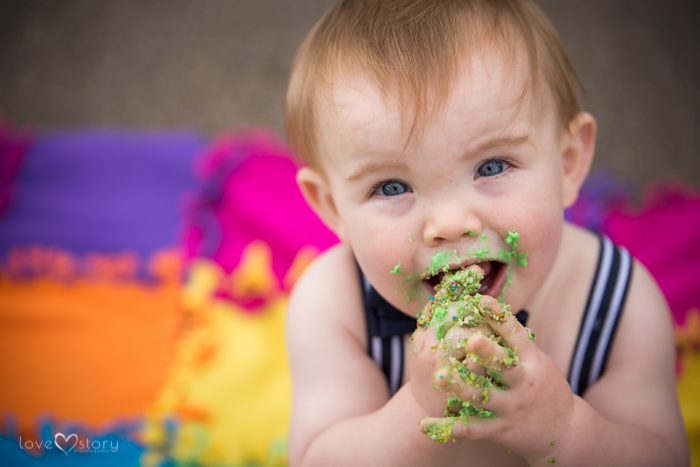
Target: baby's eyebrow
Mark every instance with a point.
(500, 141)
(371, 167)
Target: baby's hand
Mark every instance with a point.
(438, 324)
(530, 406)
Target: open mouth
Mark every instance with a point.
(492, 283)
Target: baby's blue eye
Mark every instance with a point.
(393, 188)
(491, 168)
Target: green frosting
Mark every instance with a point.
(457, 303)
(512, 239)
(397, 269)
(440, 431)
(466, 409)
(441, 262)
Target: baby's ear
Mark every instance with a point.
(319, 196)
(577, 153)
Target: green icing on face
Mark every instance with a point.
(522, 258)
(511, 256)
(441, 262)
(509, 281)
(483, 236)
(411, 236)
(407, 295)
(512, 239)
(397, 269)
(473, 234)
(481, 252)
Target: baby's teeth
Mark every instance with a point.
(483, 289)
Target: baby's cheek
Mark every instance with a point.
(539, 226)
(381, 253)
(385, 246)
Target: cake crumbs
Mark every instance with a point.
(460, 288)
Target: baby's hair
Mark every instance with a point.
(411, 48)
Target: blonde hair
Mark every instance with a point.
(411, 48)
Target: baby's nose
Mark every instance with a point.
(448, 223)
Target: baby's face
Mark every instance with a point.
(480, 169)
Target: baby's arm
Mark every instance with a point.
(341, 411)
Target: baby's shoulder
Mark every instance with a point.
(620, 289)
(328, 294)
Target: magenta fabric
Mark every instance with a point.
(663, 235)
(13, 147)
(248, 191)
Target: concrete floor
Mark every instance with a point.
(214, 65)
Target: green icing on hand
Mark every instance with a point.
(440, 431)
(457, 303)
(397, 269)
(532, 337)
(466, 409)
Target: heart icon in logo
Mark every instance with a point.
(68, 447)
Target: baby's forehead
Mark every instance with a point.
(486, 91)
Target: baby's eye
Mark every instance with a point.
(393, 188)
(491, 168)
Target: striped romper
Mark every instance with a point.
(386, 325)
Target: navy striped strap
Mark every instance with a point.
(601, 316)
(385, 329)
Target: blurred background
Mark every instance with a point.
(151, 228)
(218, 64)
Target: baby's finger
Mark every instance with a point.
(488, 353)
(441, 430)
(451, 380)
(461, 382)
(426, 313)
(455, 341)
(504, 323)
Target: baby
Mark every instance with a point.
(441, 142)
